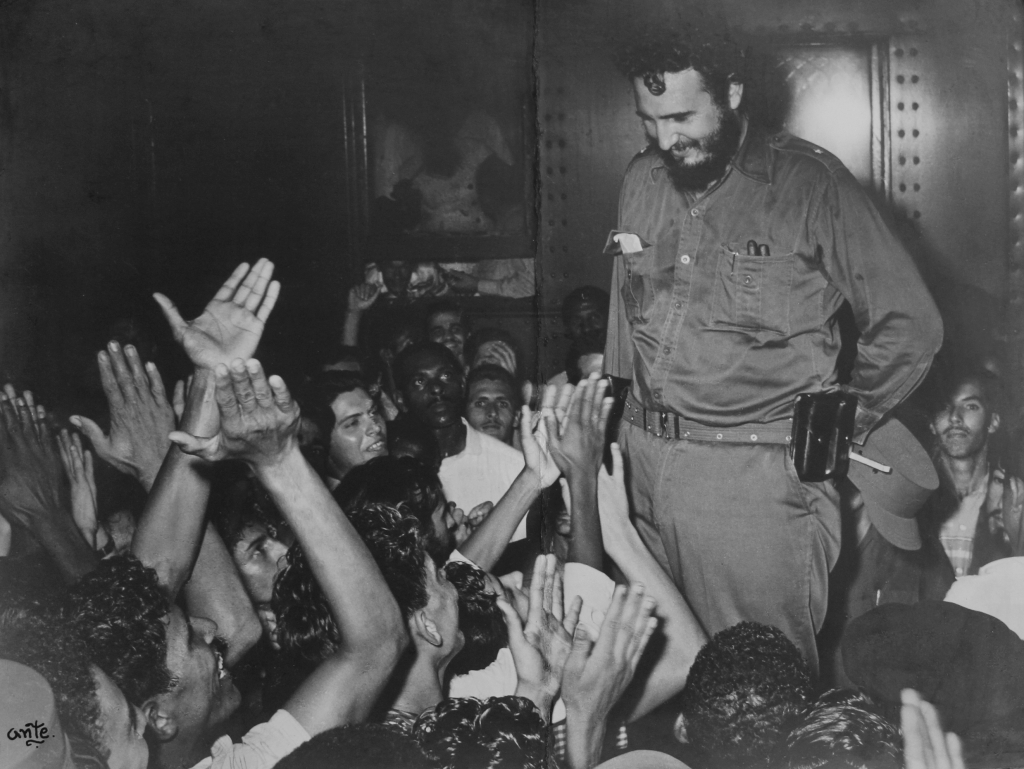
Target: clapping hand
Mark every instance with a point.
(541, 649)
(536, 453)
(258, 419)
(577, 441)
(925, 745)
(231, 325)
(78, 466)
(140, 416)
(597, 673)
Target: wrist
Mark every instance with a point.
(281, 465)
(542, 699)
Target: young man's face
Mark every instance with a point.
(396, 277)
(693, 135)
(448, 329)
(964, 424)
(359, 434)
(433, 391)
(259, 556)
(491, 408)
(204, 696)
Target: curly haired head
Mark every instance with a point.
(480, 620)
(45, 643)
(693, 40)
(842, 728)
(497, 733)
(746, 686)
(119, 610)
(402, 483)
(359, 746)
(305, 628)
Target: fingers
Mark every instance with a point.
(115, 400)
(225, 393)
(572, 616)
(228, 289)
(179, 399)
(259, 289)
(618, 471)
(512, 621)
(174, 319)
(139, 380)
(248, 286)
(936, 741)
(282, 397)
(956, 751)
(241, 383)
(93, 432)
(156, 383)
(260, 386)
(201, 447)
(550, 564)
(273, 291)
(64, 446)
(557, 597)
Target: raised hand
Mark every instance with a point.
(258, 419)
(538, 457)
(577, 441)
(33, 489)
(232, 323)
(362, 297)
(596, 674)
(140, 416)
(925, 745)
(78, 466)
(541, 649)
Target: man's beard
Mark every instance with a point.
(718, 148)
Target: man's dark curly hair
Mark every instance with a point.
(119, 610)
(44, 642)
(746, 686)
(497, 733)
(398, 482)
(699, 41)
(480, 619)
(358, 746)
(305, 628)
(842, 728)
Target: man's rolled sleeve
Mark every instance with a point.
(900, 327)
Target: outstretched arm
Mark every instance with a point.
(360, 299)
(489, 540)
(258, 424)
(664, 670)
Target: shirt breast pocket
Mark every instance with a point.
(638, 287)
(752, 292)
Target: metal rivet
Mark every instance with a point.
(899, 105)
(914, 78)
(753, 437)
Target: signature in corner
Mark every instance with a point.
(34, 733)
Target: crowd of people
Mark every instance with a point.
(412, 555)
(388, 574)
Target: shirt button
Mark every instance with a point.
(962, 527)
(747, 280)
(679, 305)
(695, 212)
(719, 436)
(753, 437)
(685, 258)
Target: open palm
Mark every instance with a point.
(231, 325)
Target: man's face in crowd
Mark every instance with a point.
(259, 556)
(359, 433)
(447, 328)
(433, 392)
(396, 277)
(491, 408)
(122, 725)
(587, 318)
(695, 136)
(965, 422)
(203, 696)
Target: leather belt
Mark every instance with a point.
(665, 424)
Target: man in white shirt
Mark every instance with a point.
(475, 467)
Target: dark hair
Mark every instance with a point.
(494, 372)
(947, 381)
(317, 395)
(583, 295)
(745, 687)
(444, 305)
(119, 610)
(587, 344)
(406, 428)
(467, 733)
(701, 42)
(238, 503)
(401, 371)
(480, 620)
(843, 728)
(306, 630)
(398, 482)
(357, 746)
(46, 643)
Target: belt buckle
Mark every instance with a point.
(663, 420)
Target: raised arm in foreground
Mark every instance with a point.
(258, 425)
